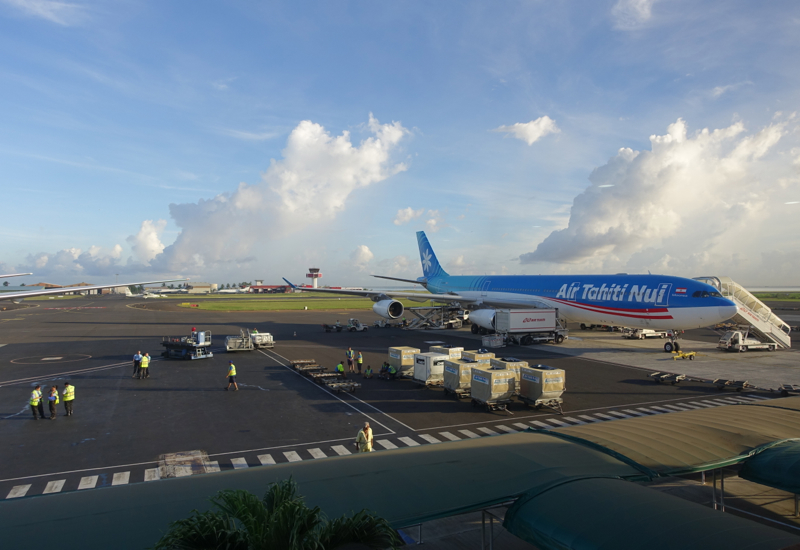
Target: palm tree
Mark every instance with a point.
(280, 521)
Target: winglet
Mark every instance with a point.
(288, 283)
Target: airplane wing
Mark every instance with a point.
(72, 289)
(413, 281)
(377, 295)
(14, 275)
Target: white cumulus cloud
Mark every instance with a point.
(690, 204)
(405, 215)
(146, 244)
(361, 256)
(531, 132)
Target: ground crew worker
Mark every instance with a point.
(137, 361)
(392, 372)
(232, 376)
(144, 368)
(364, 439)
(359, 361)
(340, 370)
(349, 355)
(36, 403)
(368, 372)
(69, 397)
(255, 331)
(53, 398)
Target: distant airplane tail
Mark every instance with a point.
(430, 265)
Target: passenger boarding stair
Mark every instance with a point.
(751, 311)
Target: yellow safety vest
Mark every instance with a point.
(36, 395)
(339, 368)
(145, 362)
(69, 393)
(232, 370)
(57, 401)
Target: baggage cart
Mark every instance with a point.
(459, 393)
(554, 403)
(736, 385)
(342, 385)
(492, 404)
(664, 377)
(323, 377)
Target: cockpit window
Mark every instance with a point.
(706, 294)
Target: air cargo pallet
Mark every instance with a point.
(460, 393)
(341, 385)
(323, 377)
(493, 405)
(670, 377)
(553, 403)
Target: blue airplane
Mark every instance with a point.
(637, 301)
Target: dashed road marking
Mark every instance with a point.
(340, 450)
(429, 438)
(471, 435)
(521, 426)
(386, 444)
(152, 474)
(317, 453)
(408, 441)
(121, 478)
(635, 413)
(699, 404)
(542, 425)
(558, 423)
(619, 414)
(266, 460)
(604, 416)
(87, 482)
(54, 486)
(575, 420)
(589, 418)
(487, 431)
(212, 467)
(292, 456)
(648, 411)
(451, 437)
(507, 429)
(18, 491)
(239, 463)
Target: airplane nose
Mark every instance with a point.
(727, 311)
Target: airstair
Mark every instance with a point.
(751, 311)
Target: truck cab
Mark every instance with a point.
(741, 340)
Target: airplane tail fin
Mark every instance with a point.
(430, 265)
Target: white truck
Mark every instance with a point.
(741, 340)
(643, 333)
(354, 325)
(528, 326)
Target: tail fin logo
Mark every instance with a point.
(426, 260)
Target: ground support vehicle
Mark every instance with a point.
(742, 340)
(459, 393)
(529, 326)
(664, 377)
(690, 355)
(332, 328)
(785, 389)
(383, 323)
(354, 325)
(737, 385)
(321, 377)
(262, 340)
(306, 366)
(342, 385)
(195, 346)
(492, 404)
(608, 328)
(554, 403)
(643, 333)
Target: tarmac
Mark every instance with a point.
(125, 430)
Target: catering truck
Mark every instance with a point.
(529, 326)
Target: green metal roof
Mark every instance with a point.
(777, 467)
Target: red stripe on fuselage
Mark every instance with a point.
(615, 311)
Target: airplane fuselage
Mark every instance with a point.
(648, 301)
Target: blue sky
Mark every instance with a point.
(243, 140)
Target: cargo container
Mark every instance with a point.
(453, 352)
(541, 385)
(429, 368)
(480, 355)
(457, 376)
(510, 363)
(491, 385)
(402, 358)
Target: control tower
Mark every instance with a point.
(313, 274)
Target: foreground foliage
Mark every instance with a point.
(279, 521)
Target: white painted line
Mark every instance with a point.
(18, 491)
(239, 463)
(451, 437)
(603, 416)
(340, 450)
(589, 418)
(212, 467)
(575, 420)
(662, 409)
(152, 474)
(715, 403)
(699, 404)
(749, 398)
(687, 406)
(121, 478)
(87, 482)
(675, 407)
(742, 399)
(292, 456)
(471, 435)
(507, 429)
(183, 471)
(429, 438)
(54, 486)
(558, 423)
(487, 431)
(759, 397)
(317, 453)
(266, 459)
(728, 400)
(521, 426)
(619, 414)
(541, 424)
(408, 441)
(649, 411)
(51, 358)
(386, 444)
(635, 413)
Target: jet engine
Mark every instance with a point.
(388, 309)
(483, 318)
